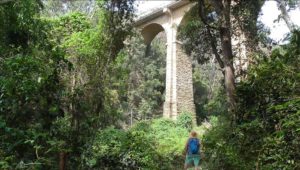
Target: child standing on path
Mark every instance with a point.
(192, 151)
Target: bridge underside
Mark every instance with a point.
(179, 83)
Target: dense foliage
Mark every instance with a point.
(80, 90)
(153, 144)
(140, 77)
(52, 76)
(30, 90)
(266, 134)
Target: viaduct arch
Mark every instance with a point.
(179, 83)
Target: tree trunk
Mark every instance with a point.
(62, 160)
(228, 67)
(222, 8)
(225, 35)
(285, 16)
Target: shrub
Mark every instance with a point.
(155, 144)
(185, 120)
(281, 149)
(118, 149)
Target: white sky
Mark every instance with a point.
(144, 6)
(270, 13)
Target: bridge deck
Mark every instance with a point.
(158, 12)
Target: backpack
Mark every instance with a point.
(193, 146)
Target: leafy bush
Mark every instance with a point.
(118, 149)
(170, 139)
(185, 120)
(281, 149)
(220, 147)
(156, 144)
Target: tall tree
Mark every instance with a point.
(229, 29)
(34, 93)
(29, 81)
(223, 26)
(92, 51)
(282, 4)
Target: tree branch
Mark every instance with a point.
(284, 13)
(203, 15)
(208, 31)
(214, 47)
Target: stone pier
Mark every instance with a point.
(179, 83)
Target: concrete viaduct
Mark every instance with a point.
(179, 83)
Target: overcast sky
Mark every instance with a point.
(270, 13)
